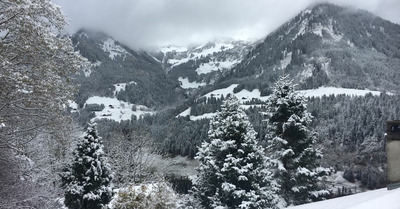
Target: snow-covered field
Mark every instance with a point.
(117, 110)
(245, 95)
(376, 199)
(321, 91)
(215, 66)
(186, 84)
(122, 86)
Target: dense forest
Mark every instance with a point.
(353, 125)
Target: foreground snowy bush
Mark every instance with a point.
(158, 195)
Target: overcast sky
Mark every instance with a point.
(150, 23)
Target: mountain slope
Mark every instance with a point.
(331, 46)
(112, 63)
(197, 66)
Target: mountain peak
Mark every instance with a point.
(327, 44)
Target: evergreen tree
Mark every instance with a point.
(233, 170)
(88, 181)
(290, 144)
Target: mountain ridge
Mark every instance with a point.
(310, 45)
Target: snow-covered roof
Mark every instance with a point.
(380, 198)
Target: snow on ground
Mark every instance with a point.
(286, 61)
(381, 198)
(205, 68)
(337, 91)
(176, 62)
(186, 84)
(218, 92)
(337, 181)
(122, 86)
(185, 113)
(204, 116)
(318, 28)
(302, 29)
(117, 110)
(245, 95)
(199, 52)
(211, 66)
(228, 64)
(113, 49)
(216, 48)
(73, 105)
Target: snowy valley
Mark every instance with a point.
(296, 119)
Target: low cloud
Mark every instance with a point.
(150, 23)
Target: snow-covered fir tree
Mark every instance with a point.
(233, 170)
(88, 181)
(290, 145)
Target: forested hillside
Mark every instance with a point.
(113, 63)
(307, 104)
(322, 46)
(328, 45)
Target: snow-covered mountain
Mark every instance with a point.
(327, 50)
(130, 81)
(201, 65)
(328, 45)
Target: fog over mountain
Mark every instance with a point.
(153, 23)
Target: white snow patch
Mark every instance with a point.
(122, 86)
(329, 29)
(219, 92)
(245, 95)
(216, 48)
(113, 49)
(198, 53)
(186, 84)
(204, 116)
(184, 113)
(302, 29)
(176, 62)
(317, 29)
(307, 11)
(211, 66)
(117, 110)
(307, 72)
(286, 61)
(380, 198)
(228, 64)
(73, 105)
(350, 43)
(205, 68)
(321, 91)
(308, 68)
